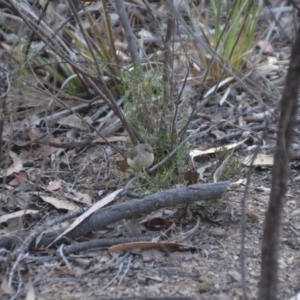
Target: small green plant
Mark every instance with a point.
(147, 110)
(100, 52)
(232, 169)
(167, 176)
(217, 204)
(144, 103)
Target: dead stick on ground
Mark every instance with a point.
(127, 210)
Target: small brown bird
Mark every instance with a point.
(140, 157)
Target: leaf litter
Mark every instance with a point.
(207, 265)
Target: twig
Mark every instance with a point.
(186, 235)
(131, 39)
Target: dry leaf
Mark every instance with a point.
(47, 150)
(54, 185)
(146, 245)
(6, 289)
(160, 222)
(86, 199)
(191, 177)
(16, 166)
(34, 134)
(132, 228)
(218, 133)
(30, 295)
(17, 214)
(74, 121)
(19, 179)
(123, 165)
(267, 47)
(60, 204)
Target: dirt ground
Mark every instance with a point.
(210, 269)
(52, 179)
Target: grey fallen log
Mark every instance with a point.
(134, 208)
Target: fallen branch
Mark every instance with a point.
(127, 210)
